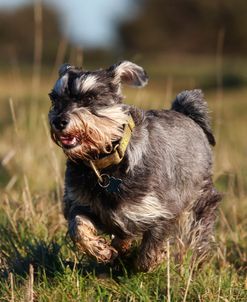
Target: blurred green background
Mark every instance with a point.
(182, 45)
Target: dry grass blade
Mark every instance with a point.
(11, 104)
(12, 287)
(27, 198)
(38, 45)
(218, 298)
(188, 282)
(30, 292)
(62, 47)
(168, 273)
(219, 77)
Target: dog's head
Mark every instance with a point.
(87, 114)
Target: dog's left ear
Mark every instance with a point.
(129, 73)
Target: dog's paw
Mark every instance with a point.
(121, 245)
(84, 235)
(150, 261)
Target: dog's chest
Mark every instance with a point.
(121, 214)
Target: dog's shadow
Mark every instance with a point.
(103, 271)
(50, 259)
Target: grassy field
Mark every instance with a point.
(38, 261)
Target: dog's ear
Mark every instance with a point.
(129, 73)
(62, 82)
(64, 68)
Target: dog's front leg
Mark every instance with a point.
(84, 234)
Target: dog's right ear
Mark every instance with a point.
(62, 82)
(129, 73)
(64, 68)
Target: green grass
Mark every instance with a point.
(38, 261)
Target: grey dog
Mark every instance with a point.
(133, 173)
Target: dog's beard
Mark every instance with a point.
(88, 134)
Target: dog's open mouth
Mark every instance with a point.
(68, 141)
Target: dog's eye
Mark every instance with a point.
(87, 99)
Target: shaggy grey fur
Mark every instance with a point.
(166, 190)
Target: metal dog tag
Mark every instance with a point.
(110, 183)
(114, 185)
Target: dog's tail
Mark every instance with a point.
(192, 104)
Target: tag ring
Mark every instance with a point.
(105, 181)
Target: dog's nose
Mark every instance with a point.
(60, 123)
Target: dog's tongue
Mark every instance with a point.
(68, 140)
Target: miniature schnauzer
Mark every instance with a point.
(133, 173)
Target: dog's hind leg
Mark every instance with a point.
(197, 224)
(152, 249)
(205, 210)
